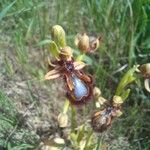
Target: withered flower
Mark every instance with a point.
(79, 86)
(102, 119)
(87, 44)
(145, 72)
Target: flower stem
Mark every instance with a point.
(66, 106)
(73, 119)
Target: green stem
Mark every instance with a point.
(66, 106)
(81, 57)
(98, 143)
(73, 119)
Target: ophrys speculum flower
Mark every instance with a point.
(102, 119)
(79, 86)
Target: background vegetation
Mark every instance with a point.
(28, 104)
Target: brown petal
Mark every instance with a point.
(69, 83)
(53, 74)
(85, 77)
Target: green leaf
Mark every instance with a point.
(8, 66)
(126, 79)
(44, 42)
(98, 143)
(28, 33)
(81, 133)
(84, 58)
(89, 139)
(125, 94)
(19, 147)
(5, 10)
(52, 47)
(73, 137)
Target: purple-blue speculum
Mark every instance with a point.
(80, 88)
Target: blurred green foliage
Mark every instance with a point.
(11, 132)
(125, 29)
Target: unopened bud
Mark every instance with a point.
(58, 35)
(66, 53)
(118, 113)
(63, 120)
(102, 100)
(83, 42)
(96, 92)
(145, 70)
(117, 100)
(58, 140)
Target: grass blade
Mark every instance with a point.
(5, 10)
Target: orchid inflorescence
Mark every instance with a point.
(79, 85)
(107, 111)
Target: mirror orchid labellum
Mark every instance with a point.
(79, 86)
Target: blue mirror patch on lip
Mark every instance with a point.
(80, 89)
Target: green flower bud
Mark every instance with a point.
(117, 101)
(101, 101)
(145, 70)
(118, 113)
(96, 92)
(63, 120)
(58, 35)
